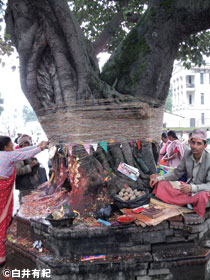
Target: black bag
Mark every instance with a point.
(34, 169)
(23, 182)
(144, 199)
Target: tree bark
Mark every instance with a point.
(60, 75)
(75, 102)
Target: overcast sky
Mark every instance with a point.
(10, 88)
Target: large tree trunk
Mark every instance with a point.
(60, 76)
(61, 79)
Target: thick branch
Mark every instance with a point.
(23, 42)
(191, 17)
(33, 94)
(112, 27)
(108, 33)
(65, 87)
(142, 64)
(10, 25)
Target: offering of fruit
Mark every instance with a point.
(129, 194)
(59, 214)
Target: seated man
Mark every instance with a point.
(196, 163)
(29, 172)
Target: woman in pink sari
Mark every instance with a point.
(174, 151)
(8, 157)
(164, 144)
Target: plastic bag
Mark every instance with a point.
(104, 213)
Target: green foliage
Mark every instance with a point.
(1, 103)
(193, 48)
(94, 15)
(28, 114)
(168, 105)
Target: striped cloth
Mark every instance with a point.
(8, 159)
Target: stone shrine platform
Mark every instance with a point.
(175, 249)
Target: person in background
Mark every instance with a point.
(16, 140)
(164, 139)
(186, 143)
(8, 158)
(174, 151)
(29, 172)
(196, 164)
(208, 133)
(163, 146)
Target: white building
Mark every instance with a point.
(171, 120)
(191, 95)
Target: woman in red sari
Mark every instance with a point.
(8, 157)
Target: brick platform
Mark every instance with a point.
(175, 249)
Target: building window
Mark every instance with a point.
(192, 122)
(201, 78)
(190, 99)
(202, 118)
(190, 81)
(202, 98)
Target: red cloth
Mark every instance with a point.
(139, 145)
(162, 162)
(6, 208)
(164, 191)
(176, 150)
